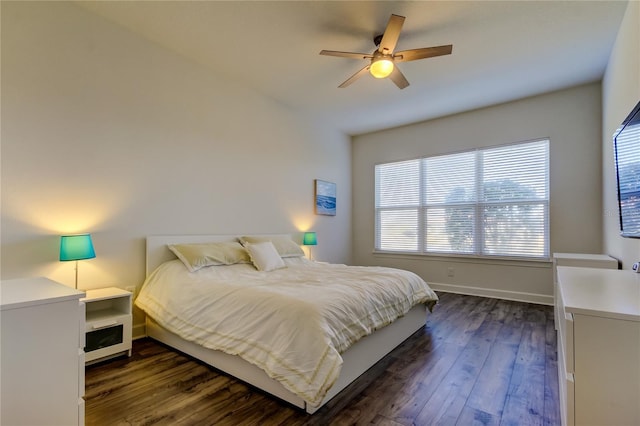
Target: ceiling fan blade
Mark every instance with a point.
(346, 54)
(391, 34)
(425, 52)
(354, 77)
(398, 78)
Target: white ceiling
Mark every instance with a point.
(502, 50)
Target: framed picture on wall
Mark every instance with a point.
(325, 197)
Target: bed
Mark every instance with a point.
(340, 365)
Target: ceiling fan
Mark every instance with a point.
(383, 59)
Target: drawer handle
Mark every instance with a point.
(103, 325)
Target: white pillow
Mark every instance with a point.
(199, 255)
(285, 246)
(264, 256)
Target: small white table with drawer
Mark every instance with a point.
(599, 346)
(108, 323)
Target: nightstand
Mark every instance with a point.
(108, 323)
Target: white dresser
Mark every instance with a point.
(42, 360)
(586, 260)
(599, 346)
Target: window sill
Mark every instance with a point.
(497, 260)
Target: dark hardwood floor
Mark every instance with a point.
(477, 362)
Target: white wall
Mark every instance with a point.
(620, 93)
(570, 118)
(107, 133)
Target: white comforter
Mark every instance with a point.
(293, 322)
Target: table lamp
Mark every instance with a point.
(310, 239)
(76, 247)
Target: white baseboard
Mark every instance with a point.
(139, 331)
(540, 299)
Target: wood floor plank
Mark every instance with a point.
(383, 421)
(525, 399)
(477, 362)
(446, 405)
(551, 387)
(491, 388)
(404, 399)
(149, 387)
(474, 417)
(440, 357)
(427, 373)
(460, 332)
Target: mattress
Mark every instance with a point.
(293, 323)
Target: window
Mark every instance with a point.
(486, 202)
(626, 149)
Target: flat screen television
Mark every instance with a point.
(626, 143)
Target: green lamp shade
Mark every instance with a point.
(76, 247)
(309, 239)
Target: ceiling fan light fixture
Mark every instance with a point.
(381, 68)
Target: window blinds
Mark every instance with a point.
(488, 202)
(628, 170)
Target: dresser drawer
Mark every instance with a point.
(565, 337)
(567, 341)
(566, 391)
(80, 372)
(107, 337)
(81, 411)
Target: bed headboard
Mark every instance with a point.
(158, 252)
